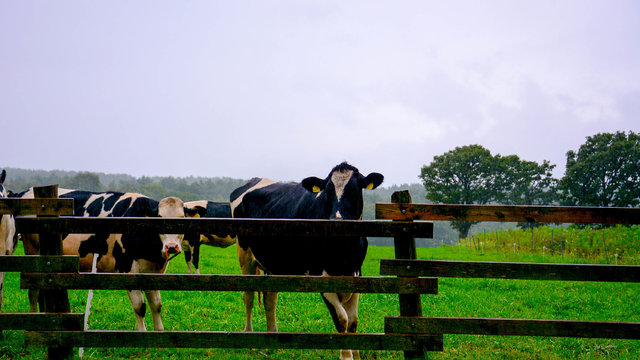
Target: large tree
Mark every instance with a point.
(471, 175)
(527, 182)
(465, 175)
(605, 171)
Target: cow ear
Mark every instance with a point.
(313, 184)
(196, 211)
(4, 175)
(372, 181)
(191, 212)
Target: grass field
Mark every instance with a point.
(223, 311)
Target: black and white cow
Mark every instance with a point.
(191, 243)
(8, 239)
(339, 196)
(124, 253)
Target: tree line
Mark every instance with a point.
(188, 188)
(199, 188)
(604, 171)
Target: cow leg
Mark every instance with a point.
(196, 256)
(7, 244)
(31, 243)
(247, 298)
(186, 248)
(351, 306)
(341, 307)
(139, 307)
(247, 266)
(155, 303)
(270, 303)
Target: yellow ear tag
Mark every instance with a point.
(370, 186)
(316, 189)
(197, 216)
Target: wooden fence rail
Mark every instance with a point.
(502, 270)
(38, 263)
(39, 207)
(510, 213)
(507, 270)
(276, 227)
(234, 339)
(518, 327)
(41, 321)
(279, 283)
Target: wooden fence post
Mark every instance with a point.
(55, 301)
(405, 248)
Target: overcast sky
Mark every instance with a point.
(289, 89)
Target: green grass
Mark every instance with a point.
(611, 245)
(223, 311)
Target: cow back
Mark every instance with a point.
(295, 255)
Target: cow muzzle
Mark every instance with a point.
(171, 251)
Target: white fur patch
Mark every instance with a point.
(340, 181)
(95, 197)
(263, 183)
(193, 204)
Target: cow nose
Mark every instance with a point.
(171, 249)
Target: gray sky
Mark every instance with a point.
(288, 89)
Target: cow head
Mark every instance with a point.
(194, 209)
(343, 190)
(3, 190)
(171, 243)
(8, 238)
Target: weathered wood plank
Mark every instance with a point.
(519, 327)
(41, 321)
(55, 300)
(111, 281)
(49, 206)
(38, 263)
(405, 248)
(276, 227)
(503, 270)
(507, 213)
(224, 339)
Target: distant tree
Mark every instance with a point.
(153, 190)
(527, 183)
(465, 175)
(83, 181)
(605, 171)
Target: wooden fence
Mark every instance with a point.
(409, 332)
(501, 270)
(55, 274)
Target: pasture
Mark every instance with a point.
(220, 311)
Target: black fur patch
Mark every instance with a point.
(95, 207)
(95, 244)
